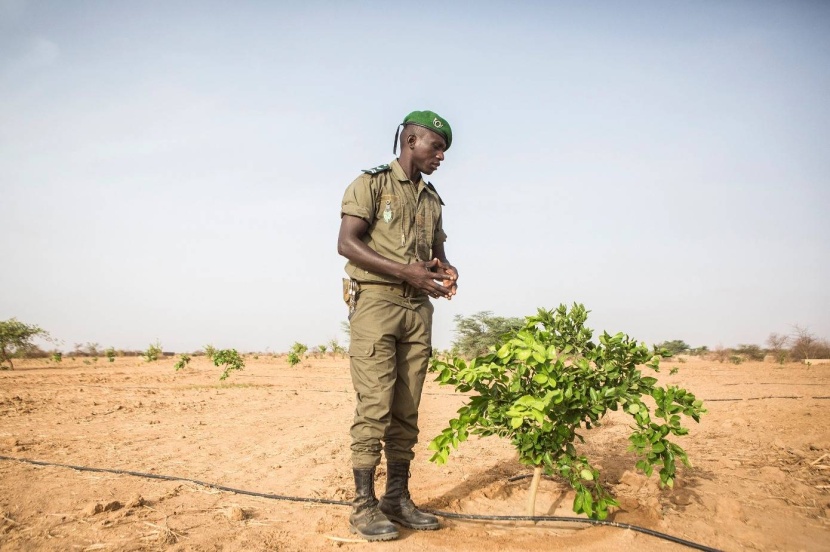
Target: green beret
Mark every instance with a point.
(432, 121)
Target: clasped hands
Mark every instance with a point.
(426, 276)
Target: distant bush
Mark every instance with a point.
(750, 352)
(699, 351)
(475, 334)
(805, 345)
(210, 350)
(720, 354)
(674, 347)
(777, 345)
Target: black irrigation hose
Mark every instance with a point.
(448, 515)
(346, 391)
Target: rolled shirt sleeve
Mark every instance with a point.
(440, 236)
(359, 200)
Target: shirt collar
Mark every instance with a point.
(397, 170)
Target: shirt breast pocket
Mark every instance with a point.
(389, 209)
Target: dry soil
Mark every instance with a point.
(759, 481)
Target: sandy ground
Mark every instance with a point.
(760, 481)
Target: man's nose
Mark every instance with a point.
(440, 156)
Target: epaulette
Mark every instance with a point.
(431, 187)
(377, 170)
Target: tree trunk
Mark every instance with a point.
(534, 486)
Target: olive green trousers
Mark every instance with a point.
(391, 343)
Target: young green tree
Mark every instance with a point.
(16, 337)
(547, 381)
(477, 333)
(184, 360)
(153, 352)
(295, 355)
(229, 360)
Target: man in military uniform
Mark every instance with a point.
(392, 234)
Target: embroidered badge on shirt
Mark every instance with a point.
(387, 212)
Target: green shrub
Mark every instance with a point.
(295, 355)
(546, 381)
(153, 352)
(184, 360)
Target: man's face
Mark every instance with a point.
(428, 150)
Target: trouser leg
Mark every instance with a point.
(375, 327)
(413, 352)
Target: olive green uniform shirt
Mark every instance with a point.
(404, 218)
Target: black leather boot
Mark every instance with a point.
(366, 519)
(397, 504)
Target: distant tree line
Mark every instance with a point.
(475, 334)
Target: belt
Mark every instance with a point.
(403, 289)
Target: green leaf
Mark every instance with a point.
(586, 475)
(578, 503)
(633, 408)
(541, 379)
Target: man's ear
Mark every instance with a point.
(411, 140)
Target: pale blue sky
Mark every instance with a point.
(173, 170)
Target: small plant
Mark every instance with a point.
(295, 355)
(777, 344)
(110, 354)
(210, 350)
(57, 356)
(336, 348)
(548, 380)
(153, 352)
(736, 359)
(256, 357)
(184, 360)
(322, 349)
(228, 359)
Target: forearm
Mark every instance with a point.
(439, 253)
